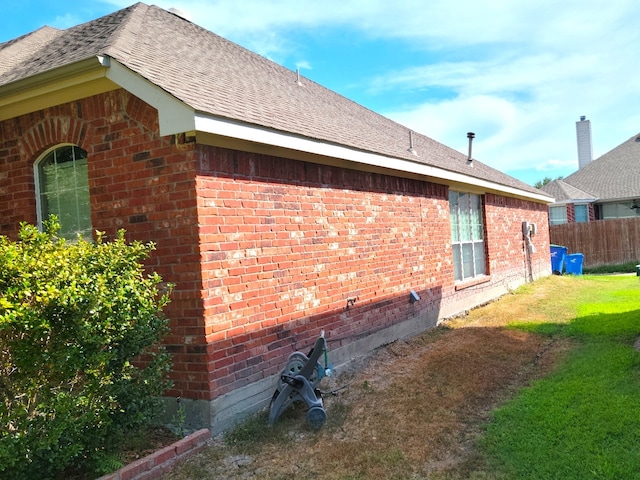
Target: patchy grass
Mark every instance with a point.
(582, 421)
(489, 396)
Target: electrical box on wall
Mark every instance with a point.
(529, 229)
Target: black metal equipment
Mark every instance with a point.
(298, 382)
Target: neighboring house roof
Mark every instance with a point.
(218, 79)
(613, 176)
(565, 193)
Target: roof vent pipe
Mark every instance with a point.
(411, 149)
(470, 136)
(298, 77)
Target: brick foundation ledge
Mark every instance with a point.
(157, 463)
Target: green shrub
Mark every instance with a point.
(80, 361)
(629, 267)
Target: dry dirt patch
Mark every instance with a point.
(415, 408)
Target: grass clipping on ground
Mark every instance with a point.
(416, 408)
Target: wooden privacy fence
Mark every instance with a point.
(603, 242)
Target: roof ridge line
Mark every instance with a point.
(124, 35)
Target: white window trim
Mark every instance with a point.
(551, 222)
(476, 275)
(575, 215)
(36, 167)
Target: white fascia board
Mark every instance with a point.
(576, 201)
(616, 200)
(174, 116)
(53, 87)
(254, 133)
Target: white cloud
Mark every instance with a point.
(552, 165)
(517, 73)
(65, 21)
(303, 65)
(466, 22)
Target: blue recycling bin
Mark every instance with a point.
(558, 252)
(573, 263)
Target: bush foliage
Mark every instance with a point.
(73, 318)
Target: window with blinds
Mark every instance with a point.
(467, 235)
(558, 215)
(581, 213)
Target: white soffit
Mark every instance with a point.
(65, 84)
(90, 77)
(253, 133)
(174, 116)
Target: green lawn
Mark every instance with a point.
(582, 421)
(425, 408)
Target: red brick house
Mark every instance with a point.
(601, 189)
(279, 208)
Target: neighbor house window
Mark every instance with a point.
(467, 235)
(63, 190)
(557, 215)
(618, 210)
(581, 213)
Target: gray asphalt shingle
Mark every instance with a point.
(562, 191)
(614, 175)
(219, 78)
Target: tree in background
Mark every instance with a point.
(545, 180)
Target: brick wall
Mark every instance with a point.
(286, 245)
(140, 182)
(571, 213)
(265, 252)
(507, 258)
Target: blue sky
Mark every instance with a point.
(518, 74)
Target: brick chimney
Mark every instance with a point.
(583, 133)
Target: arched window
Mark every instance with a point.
(62, 181)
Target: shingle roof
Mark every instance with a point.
(614, 175)
(19, 51)
(219, 78)
(562, 192)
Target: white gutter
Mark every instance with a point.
(60, 85)
(254, 133)
(615, 200)
(576, 201)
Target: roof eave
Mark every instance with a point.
(617, 199)
(59, 85)
(575, 200)
(102, 73)
(174, 116)
(222, 131)
(91, 76)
